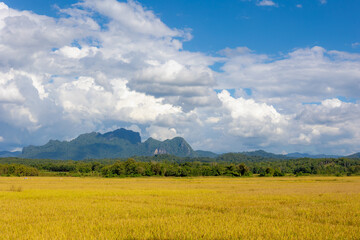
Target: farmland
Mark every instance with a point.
(180, 208)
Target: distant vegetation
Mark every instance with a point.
(18, 170)
(230, 164)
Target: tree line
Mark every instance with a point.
(129, 167)
(166, 165)
(17, 170)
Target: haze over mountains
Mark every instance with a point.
(10, 154)
(123, 143)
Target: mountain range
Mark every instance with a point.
(10, 154)
(123, 143)
(120, 143)
(262, 153)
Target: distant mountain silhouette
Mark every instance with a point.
(355, 155)
(208, 154)
(9, 154)
(306, 155)
(120, 143)
(261, 153)
(123, 143)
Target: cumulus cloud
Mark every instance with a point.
(71, 75)
(8, 89)
(161, 133)
(249, 118)
(303, 75)
(131, 17)
(85, 99)
(75, 70)
(333, 122)
(303, 86)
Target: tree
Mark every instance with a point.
(278, 173)
(130, 167)
(243, 169)
(269, 171)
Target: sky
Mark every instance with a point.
(228, 76)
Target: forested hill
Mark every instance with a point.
(120, 143)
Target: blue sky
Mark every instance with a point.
(266, 29)
(232, 23)
(282, 76)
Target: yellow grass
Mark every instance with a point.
(180, 208)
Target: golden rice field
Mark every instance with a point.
(180, 208)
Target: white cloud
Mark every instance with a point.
(267, 3)
(8, 89)
(161, 133)
(332, 123)
(288, 83)
(17, 149)
(85, 98)
(3, 6)
(135, 128)
(299, 5)
(302, 76)
(70, 70)
(132, 18)
(355, 44)
(323, 1)
(74, 52)
(249, 118)
(1, 138)
(331, 103)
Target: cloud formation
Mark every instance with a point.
(266, 3)
(304, 86)
(355, 44)
(301, 76)
(103, 65)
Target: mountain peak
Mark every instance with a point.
(178, 139)
(122, 133)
